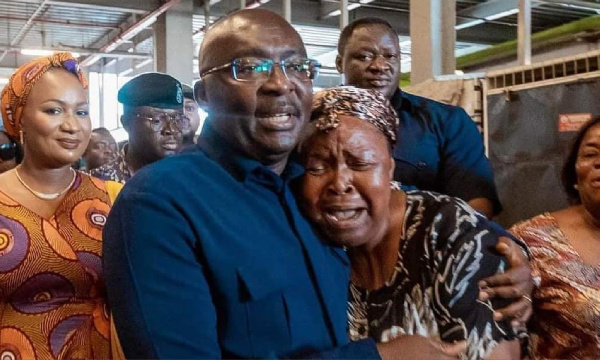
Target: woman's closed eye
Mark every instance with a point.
(360, 165)
(315, 168)
(588, 153)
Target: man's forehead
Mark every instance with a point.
(370, 31)
(99, 137)
(252, 39)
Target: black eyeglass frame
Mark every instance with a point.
(171, 119)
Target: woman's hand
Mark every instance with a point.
(416, 347)
(516, 283)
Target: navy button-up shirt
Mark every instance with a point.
(206, 255)
(440, 149)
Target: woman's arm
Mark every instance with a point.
(462, 256)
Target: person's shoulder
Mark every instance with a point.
(540, 230)
(85, 176)
(104, 169)
(436, 202)
(171, 173)
(430, 104)
(448, 212)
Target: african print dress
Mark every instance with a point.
(52, 292)
(447, 248)
(566, 307)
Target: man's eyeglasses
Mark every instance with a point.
(8, 151)
(158, 121)
(260, 69)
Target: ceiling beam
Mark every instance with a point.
(27, 26)
(490, 10)
(332, 8)
(66, 23)
(81, 51)
(133, 7)
(130, 32)
(577, 4)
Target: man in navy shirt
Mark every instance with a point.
(206, 254)
(438, 146)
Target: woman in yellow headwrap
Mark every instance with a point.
(52, 292)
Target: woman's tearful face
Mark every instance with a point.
(346, 188)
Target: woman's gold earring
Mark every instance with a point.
(21, 136)
(576, 187)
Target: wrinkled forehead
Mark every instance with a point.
(374, 34)
(251, 39)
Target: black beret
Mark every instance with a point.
(188, 92)
(152, 89)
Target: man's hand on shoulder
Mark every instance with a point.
(516, 283)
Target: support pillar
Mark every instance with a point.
(173, 44)
(524, 33)
(287, 10)
(343, 14)
(433, 38)
(206, 16)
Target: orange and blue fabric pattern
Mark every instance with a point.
(52, 290)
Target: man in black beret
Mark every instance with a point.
(190, 107)
(154, 118)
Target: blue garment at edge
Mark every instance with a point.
(440, 149)
(207, 256)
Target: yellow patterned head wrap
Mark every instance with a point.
(16, 92)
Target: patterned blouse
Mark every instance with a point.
(52, 292)
(566, 319)
(116, 170)
(447, 249)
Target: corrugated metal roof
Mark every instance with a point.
(59, 25)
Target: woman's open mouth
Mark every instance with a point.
(344, 218)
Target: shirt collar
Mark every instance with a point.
(397, 99)
(217, 148)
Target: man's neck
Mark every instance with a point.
(278, 167)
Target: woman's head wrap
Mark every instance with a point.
(16, 92)
(366, 104)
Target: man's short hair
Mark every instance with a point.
(349, 29)
(102, 131)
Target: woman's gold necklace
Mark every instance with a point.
(46, 196)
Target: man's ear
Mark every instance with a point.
(339, 64)
(200, 93)
(125, 124)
